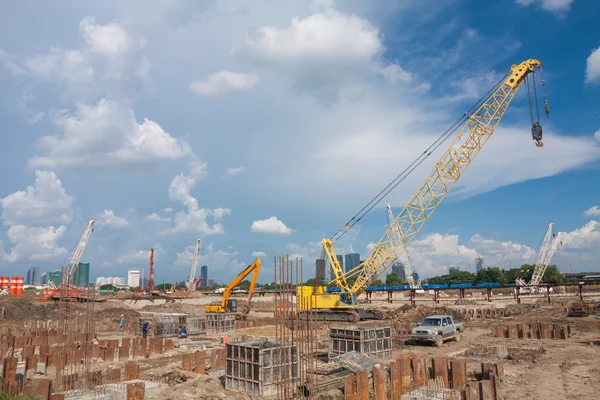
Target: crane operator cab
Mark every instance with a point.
(348, 299)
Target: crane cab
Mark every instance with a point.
(309, 298)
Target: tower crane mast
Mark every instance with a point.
(191, 283)
(474, 131)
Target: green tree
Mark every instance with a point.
(491, 274)
(456, 276)
(108, 287)
(244, 285)
(377, 282)
(393, 279)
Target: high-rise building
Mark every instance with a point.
(55, 277)
(33, 276)
(352, 261)
(453, 268)
(478, 264)
(210, 282)
(319, 269)
(111, 280)
(398, 268)
(204, 275)
(81, 276)
(133, 278)
(45, 278)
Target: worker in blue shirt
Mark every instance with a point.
(122, 322)
(182, 331)
(145, 329)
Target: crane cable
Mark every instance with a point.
(412, 166)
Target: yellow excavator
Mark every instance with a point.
(230, 305)
(475, 128)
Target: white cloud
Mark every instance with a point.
(134, 257)
(270, 225)
(45, 202)
(195, 220)
(168, 210)
(592, 212)
(556, 6)
(321, 53)
(259, 254)
(109, 219)
(107, 134)
(154, 217)
(234, 171)
(224, 82)
(585, 238)
(35, 243)
(109, 62)
(592, 71)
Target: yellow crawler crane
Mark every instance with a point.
(474, 130)
(230, 305)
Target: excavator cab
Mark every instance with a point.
(232, 305)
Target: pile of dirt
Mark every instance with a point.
(185, 385)
(525, 355)
(516, 309)
(408, 313)
(465, 302)
(16, 309)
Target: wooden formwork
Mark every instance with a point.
(372, 341)
(258, 367)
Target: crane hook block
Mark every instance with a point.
(536, 133)
(547, 108)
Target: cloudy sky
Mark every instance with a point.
(263, 126)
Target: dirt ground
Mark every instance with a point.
(536, 369)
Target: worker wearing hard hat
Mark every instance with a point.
(122, 322)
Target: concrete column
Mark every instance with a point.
(395, 380)
(440, 369)
(39, 388)
(419, 372)
(187, 362)
(124, 353)
(362, 385)
(349, 388)
(485, 390)
(9, 371)
(136, 391)
(379, 383)
(200, 362)
(113, 375)
(132, 371)
(458, 371)
(404, 364)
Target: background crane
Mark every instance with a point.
(474, 129)
(406, 262)
(192, 282)
(549, 245)
(67, 278)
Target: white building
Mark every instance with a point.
(111, 280)
(133, 278)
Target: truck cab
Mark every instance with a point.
(437, 329)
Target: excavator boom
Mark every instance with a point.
(225, 302)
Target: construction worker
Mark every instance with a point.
(145, 329)
(182, 331)
(122, 322)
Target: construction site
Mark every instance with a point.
(346, 338)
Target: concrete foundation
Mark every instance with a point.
(258, 367)
(371, 341)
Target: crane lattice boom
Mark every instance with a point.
(78, 253)
(473, 135)
(406, 264)
(546, 243)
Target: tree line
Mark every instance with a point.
(495, 274)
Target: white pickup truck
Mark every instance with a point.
(436, 329)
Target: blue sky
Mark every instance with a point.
(261, 127)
